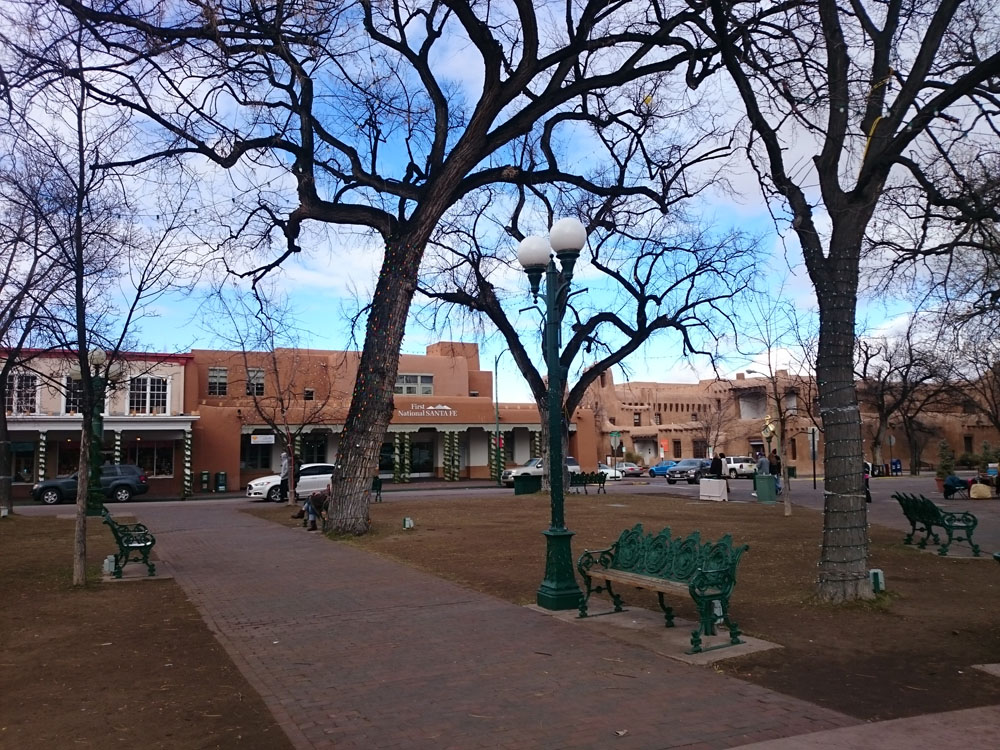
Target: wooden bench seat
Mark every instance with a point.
(584, 478)
(667, 565)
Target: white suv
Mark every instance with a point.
(738, 466)
(535, 467)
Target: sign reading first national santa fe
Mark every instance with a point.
(436, 411)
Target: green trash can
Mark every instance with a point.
(791, 472)
(525, 484)
(220, 481)
(206, 481)
(763, 485)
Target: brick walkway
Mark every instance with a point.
(350, 650)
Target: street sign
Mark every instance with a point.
(616, 440)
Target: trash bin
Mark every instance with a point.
(206, 481)
(220, 481)
(525, 484)
(791, 472)
(763, 485)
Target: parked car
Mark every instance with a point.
(119, 482)
(311, 478)
(661, 469)
(535, 467)
(611, 473)
(689, 469)
(629, 469)
(739, 466)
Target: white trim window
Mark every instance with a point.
(147, 395)
(22, 393)
(73, 400)
(255, 382)
(218, 381)
(414, 385)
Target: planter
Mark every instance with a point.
(939, 481)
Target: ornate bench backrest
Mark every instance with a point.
(672, 558)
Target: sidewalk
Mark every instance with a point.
(350, 650)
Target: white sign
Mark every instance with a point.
(262, 440)
(434, 412)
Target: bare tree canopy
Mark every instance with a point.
(382, 116)
(845, 105)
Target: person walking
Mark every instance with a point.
(715, 470)
(774, 469)
(283, 475)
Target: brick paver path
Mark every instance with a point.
(350, 650)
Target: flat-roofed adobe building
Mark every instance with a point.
(146, 421)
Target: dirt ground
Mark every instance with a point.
(910, 652)
(133, 663)
(127, 664)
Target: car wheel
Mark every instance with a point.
(732, 473)
(274, 494)
(671, 481)
(50, 496)
(121, 494)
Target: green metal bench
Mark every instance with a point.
(925, 516)
(134, 541)
(666, 564)
(584, 478)
(377, 489)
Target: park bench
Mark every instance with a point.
(584, 478)
(377, 489)
(669, 565)
(134, 541)
(925, 516)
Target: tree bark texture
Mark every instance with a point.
(843, 566)
(6, 466)
(372, 401)
(82, 487)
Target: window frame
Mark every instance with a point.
(215, 386)
(255, 381)
(146, 391)
(20, 395)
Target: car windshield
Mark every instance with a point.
(687, 463)
(531, 462)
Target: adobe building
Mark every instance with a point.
(208, 420)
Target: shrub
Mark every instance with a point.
(946, 460)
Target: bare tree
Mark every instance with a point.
(653, 278)
(359, 118)
(879, 93)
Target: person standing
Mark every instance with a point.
(715, 470)
(283, 475)
(774, 469)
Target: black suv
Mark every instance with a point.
(690, 469)
(119, 482)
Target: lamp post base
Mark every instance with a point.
(559, 589)
(95, 503)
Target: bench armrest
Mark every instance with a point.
(592, 557)
(960, 518)
(708, 581)
(136, 538)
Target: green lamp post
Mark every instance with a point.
(98, 384)
(559, 589)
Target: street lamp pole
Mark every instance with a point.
(498, 449)
(559, 589)
(98, 384)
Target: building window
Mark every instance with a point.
(155, 457)
(794, 449)
(253, 455)
(677, 449)
(636, 419)
(147, 396)
(22, 461)
(414, 385)
(313, 449)
(22, 394)
(218, 381)
(309, 395)
(967, 444)
(507, 439)
(658, 418)
(74, 396)
(612, 420)
(255, 382)
(694, 417)
(700, 448)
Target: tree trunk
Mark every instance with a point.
(82, 486)
(6, 466)
(843, 567)
(372, 401)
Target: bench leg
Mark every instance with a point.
(668, 612)
(150, 567)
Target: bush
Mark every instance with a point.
(968, 460)
(946, 460)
